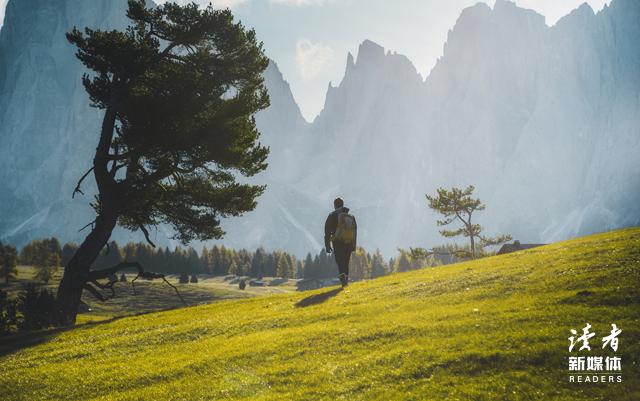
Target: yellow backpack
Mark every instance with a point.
(346, 228)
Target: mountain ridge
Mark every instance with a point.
(541, 119)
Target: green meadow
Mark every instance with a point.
(496, 328)
(148, 296)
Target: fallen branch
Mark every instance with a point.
(105, 273)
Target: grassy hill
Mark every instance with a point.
(494, 328)
(150, 296)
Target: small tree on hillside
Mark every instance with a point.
(359, 265)
(257, 263)
(68, 250)
(8, 262)
(309, 268)
(46, 266)
(179, 89)
(458, 205)
(403, 262)
(378, 265)
(283, 266)
(44, 255)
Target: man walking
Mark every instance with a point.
(341, 230)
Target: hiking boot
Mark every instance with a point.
(344, 280)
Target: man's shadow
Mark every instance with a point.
(317, 298)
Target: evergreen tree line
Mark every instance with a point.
(219, 260)
(216, 260)
(45, 255)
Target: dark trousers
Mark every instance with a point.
(342, 253)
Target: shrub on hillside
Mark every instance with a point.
(8, 262)
(193, 279)
(184, 278)
(37, 307)
(8, 315)
(44, 274)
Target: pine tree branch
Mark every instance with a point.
(77, 188)
(108, 286)
(146, 235)
(90, 224)
(94, 292)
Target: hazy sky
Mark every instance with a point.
(309, 39)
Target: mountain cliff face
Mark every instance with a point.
(544, 121)
(47, 129)
(537, 122)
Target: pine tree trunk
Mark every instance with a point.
(473, 248)
(77, 270)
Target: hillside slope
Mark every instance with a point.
(495, 328)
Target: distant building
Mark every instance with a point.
(515, 247)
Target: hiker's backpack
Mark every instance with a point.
(346, 228)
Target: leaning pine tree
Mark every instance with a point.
(458, 206)
(179, 89)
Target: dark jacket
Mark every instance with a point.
(331, 224)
